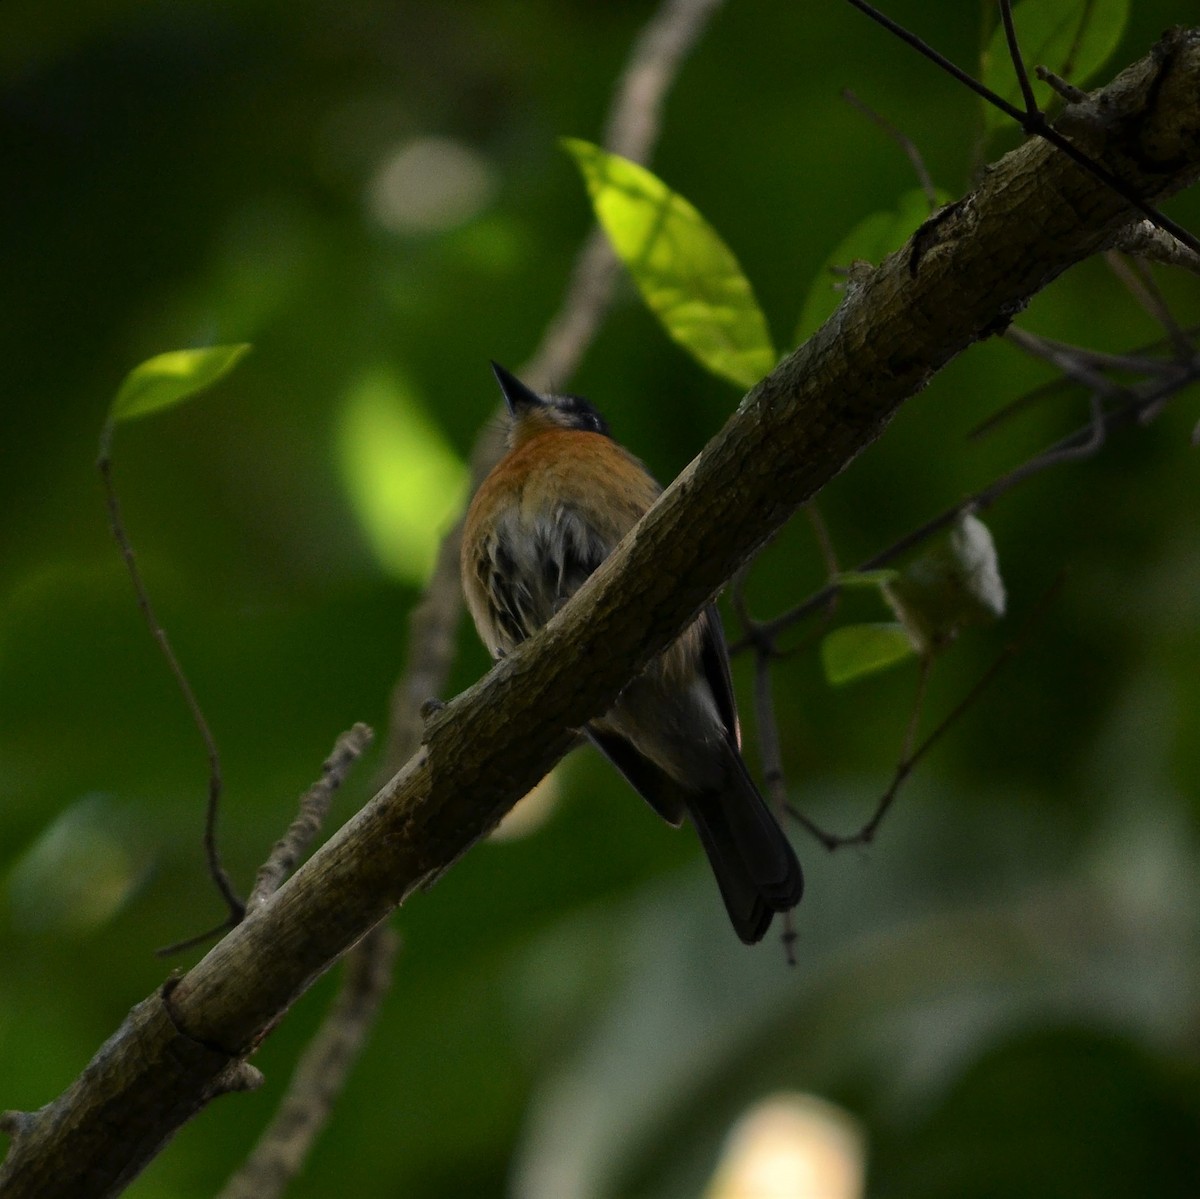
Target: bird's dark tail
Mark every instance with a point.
(756, 868)
(753, 860)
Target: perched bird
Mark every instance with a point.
(548, 514)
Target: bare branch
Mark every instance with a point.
(320, 1073)
(1018, 61)
(1068, 91)
(1140, 405)
(904, 768)
(314, 807)
(1146, 240)
(1074, 366)
(236, 908)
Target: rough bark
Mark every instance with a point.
(963, 277)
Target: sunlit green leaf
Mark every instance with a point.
(954, 583)
(871, 240)
(686, 273)
(856, 650)
(405, 483)
(1074, 38)
(170, 378)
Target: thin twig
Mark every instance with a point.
(1139, 282)
(212, 853)
(902, 140)
(909, 761)
(1066, 356)
(1144, 240)
(209, 934)
(1018, 61)
(1068, 91)
(1006, 654)
(1076, 367)
(314, 807)
(1081, 444)
(1033, 123)
(1133, 363)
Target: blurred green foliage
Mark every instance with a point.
(1004, 991)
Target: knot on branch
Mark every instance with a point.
(1161, 134)
(240, 1076)
(235, 1075)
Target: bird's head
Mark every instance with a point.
(531, 413)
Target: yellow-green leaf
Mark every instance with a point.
(871, 240)
(1074, 38)
(170, 378)
(687, 275)
(856, 650)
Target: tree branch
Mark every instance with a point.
(1034, 215)
(320, 1073)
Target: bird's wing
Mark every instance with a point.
(714, 661)
(652, 783)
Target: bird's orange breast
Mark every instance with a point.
(587, 471)
(549, 513)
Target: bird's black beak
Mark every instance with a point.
(517, 396)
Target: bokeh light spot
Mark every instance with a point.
(791, 1146)
(429, 185)
(404, 481)
(78, 873)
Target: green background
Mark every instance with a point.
(1003, 990)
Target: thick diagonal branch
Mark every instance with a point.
(1034, 215)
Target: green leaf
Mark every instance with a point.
(687, 275)
(871, 240)
(1074, 38)
(856, 650)
(954, 583)
(172, 377)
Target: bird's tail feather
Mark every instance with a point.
(756, 868)
(754, 863)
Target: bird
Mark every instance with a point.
(544, 518)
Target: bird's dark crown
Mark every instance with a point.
(574, 412)
(527, 407)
